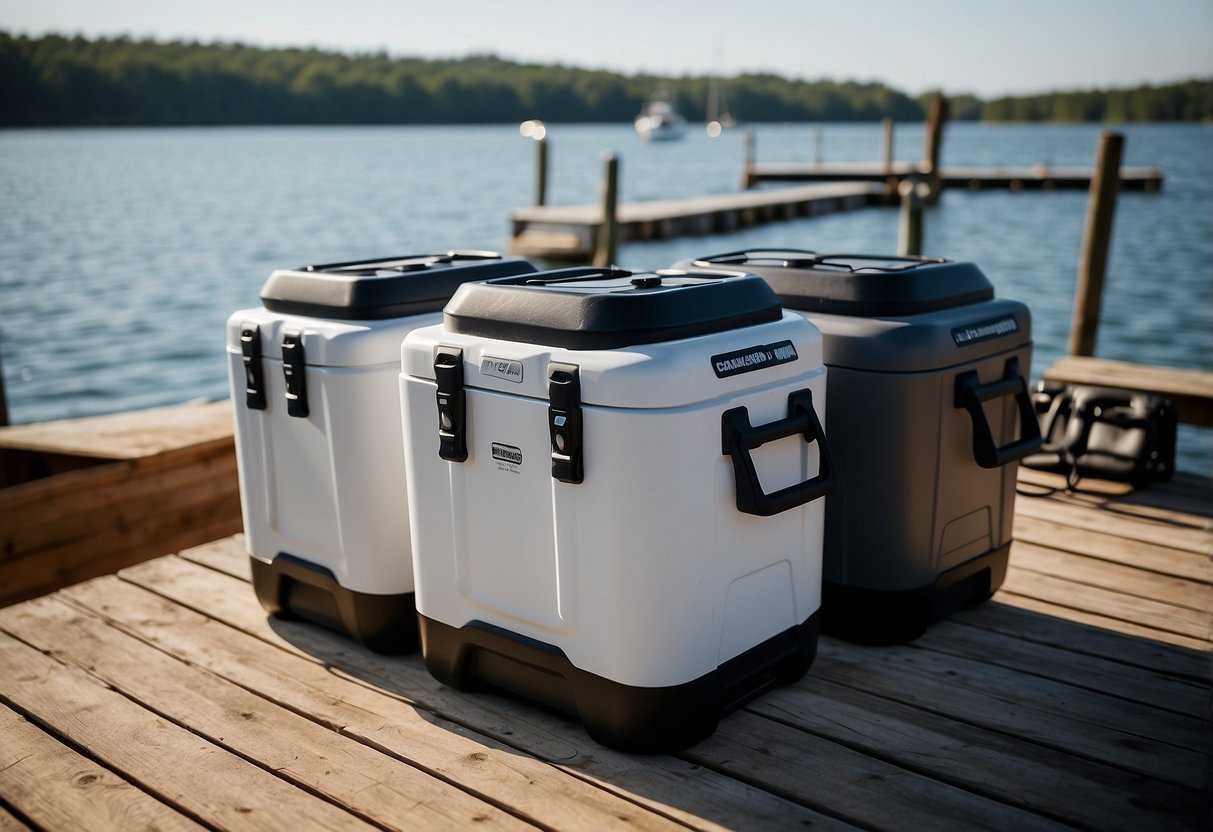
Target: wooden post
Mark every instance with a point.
(914, 192)
(936, 118)
(817, 145)
(3, 398)
(886, 144)
(1096, 237)
(541, 172)
(608, 231)
(747, 172)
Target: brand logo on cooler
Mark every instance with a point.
(507, 453)
(501, 368)
(753, 358)
(983, 331)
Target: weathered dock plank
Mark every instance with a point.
(568, 231)
(1035, 177)
(1067, 701)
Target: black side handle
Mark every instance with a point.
(739, 437)
(970, 393)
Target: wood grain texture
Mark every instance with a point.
(57, 788)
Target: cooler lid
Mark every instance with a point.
(607, 308)
(392, 287)
(859, 284)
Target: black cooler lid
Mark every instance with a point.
(607, 308)
(860, 284)
(392, 287)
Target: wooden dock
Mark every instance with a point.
(568, 232)
(1034, 178)
(1077, 698)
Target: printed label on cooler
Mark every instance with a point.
(984, 330)
(753, 358)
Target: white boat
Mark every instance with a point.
(659, 121)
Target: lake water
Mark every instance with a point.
(123, 251)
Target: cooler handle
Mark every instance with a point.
(739, 437)
(970, 393)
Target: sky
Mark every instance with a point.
(986, 47)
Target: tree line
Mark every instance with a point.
(72, 81)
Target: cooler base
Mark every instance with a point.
(480, 656)
(873, 616)
(290, 587)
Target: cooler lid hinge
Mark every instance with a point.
(564, 421)
(452, 404)
(250, 357)
(293, 370)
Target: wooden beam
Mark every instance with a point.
(1190, 390)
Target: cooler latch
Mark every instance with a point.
(254, 378)
(564, 421)
(452, 404)
(293, 370)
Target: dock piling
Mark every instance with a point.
(3, 396)
(747, 175)
(816, 145)
(608, 231)
(936, 118)
(914, 194)
(886, 144)
(1096, 238)
(541, 171)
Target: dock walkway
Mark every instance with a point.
(1036, 177)
(568, 231)
(1078, 697)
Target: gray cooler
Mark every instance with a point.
(929, 414)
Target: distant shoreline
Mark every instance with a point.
(58, 81)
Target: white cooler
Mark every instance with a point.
(614, 484)
(314, 385)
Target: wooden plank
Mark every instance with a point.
(833, 778)
(1005, 615)
(1141, 685)
(1102, 728)
(179, 768)
(1190, 390)
(1160, 560)
(1151, 618)
(130, 435)
(1028, 601)
(296, 748)
(1183, 494)
(1093, 571)
(129, 537)
(9, 823)
(1005, 768)
(1183, 502)
(531, 788)
(56, 788)
(42, 501)
(1121, 520)
(689, 793)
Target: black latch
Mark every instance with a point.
(564, 421)
(293, 367)
(452, 404)
(254, 378)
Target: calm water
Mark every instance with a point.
(122, 252)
